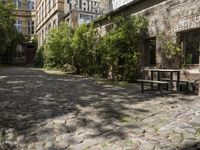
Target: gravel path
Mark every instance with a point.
(43, 111)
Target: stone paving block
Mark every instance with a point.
(74, 115)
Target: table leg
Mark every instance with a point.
(151, 79)
(178, 81)
(171, 81)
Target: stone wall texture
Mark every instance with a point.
(170, 17)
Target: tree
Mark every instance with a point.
(120, 47)
(9, 37)
(58, 50)
(84, 45)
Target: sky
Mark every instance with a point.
(118, 3)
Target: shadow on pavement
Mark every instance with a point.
(36, 106)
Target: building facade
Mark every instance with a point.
(35, 19)
(49, 13)
(25, 23)
(78, 12)
(25, 16)
(177, 19)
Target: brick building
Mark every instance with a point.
(178, 19)
(49, 13)
(25, 24)
(78, 12)
(35, 18)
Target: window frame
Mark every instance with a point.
(18, 25)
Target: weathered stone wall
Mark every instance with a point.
(165, 16)
(171, 17)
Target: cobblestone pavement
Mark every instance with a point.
(41, 111)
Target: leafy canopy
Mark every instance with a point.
(9, 37)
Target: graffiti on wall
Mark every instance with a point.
(86, 5)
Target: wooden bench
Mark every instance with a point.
(160, 84)
(186, 82)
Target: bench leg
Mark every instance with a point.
(142, 87)
(160, 88)
(151, 79)
(167, 86)
(171, 82)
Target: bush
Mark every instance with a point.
(57, 51)
(120, 47)
(116, 54)
(84, 45)
(39, 58)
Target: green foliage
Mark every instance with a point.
(170, 50)
(57, 49)
(116, 54)
(188, 59)
(9, 37)
(84, 45)
(120, 47)
(39, 58)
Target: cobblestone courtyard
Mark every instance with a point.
(42, 111)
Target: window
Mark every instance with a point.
(49, 28)
(42, 10)
(18, 25)
(18, 4)
(54, 23)
(150, 51)
(191, 47)
(30, 5)
(42, 39)
(39, 14)
(49, 5)
(54, 2)
(46, 8)
(30, 27)
(46, 32)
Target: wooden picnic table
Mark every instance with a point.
(171, 72)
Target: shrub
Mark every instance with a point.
(84, 45)
(39, 58)
(58, 50)
(120, 47)
(116, 54)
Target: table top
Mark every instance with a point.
(164, 70)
